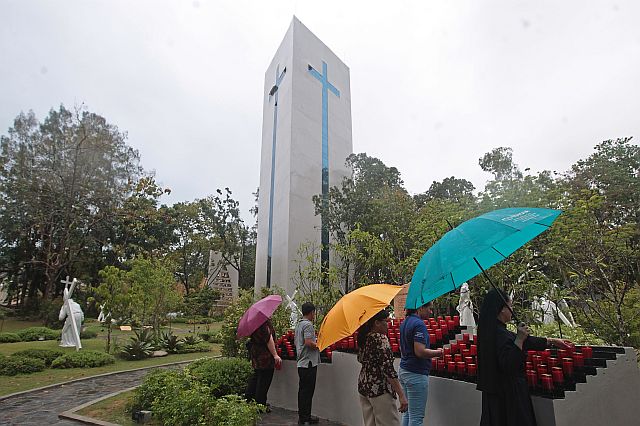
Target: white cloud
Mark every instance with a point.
(434, 84)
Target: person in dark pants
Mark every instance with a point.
(308, 360)
(501, 364)
(264, 358)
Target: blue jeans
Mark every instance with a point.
(415, 387)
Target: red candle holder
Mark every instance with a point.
(469, 360)
(473, 350)
(465, 337)
(532, 379)
(458, 358)
(472, 370)
(587, 351)
(448, 358)
(451, 367)
(567, 366)
(578, 360)
(553, 362)
(542, 369)
(438, 335)
(454, 347)
(466, 353)
(537, 360)
(563, 353)
(547, 382)
(456, 320)
(460, 368)
(556, 374)
(529, 365)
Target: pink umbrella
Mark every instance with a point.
(258, 314)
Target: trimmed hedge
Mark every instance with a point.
(35, 333)
(9, 338)
(198, 347)
(12, 365)
(83, 359)
(88, 334)
(223, 375)
(46, 355)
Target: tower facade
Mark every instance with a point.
(306, 138)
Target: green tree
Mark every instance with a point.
(190, 252)
(113, 295)
(61, 181)
(451, 188)
(152, 290)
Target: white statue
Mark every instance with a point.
(545, 311)
(73, 316)
(293, 307)
(465, 307)
(102, 317)
(4, 292)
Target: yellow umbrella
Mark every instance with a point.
(353, 310)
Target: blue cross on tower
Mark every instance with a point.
(273, 92)
(326, 87)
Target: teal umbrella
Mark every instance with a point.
(473, 247)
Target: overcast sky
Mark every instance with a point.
(435, 84)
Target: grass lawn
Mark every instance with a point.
(10, 384)
(112, 410)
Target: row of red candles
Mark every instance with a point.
(459, 358)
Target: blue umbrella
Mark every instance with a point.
(473, 247)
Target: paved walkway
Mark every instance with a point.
(42, 407)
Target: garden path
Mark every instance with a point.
(41, 407)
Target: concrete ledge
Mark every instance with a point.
(71, 414)
(610, 397)
(12, 395)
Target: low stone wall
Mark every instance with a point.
(612, 397)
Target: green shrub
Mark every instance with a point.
(177, 399)
(141, 346)
(170, 342)
(83, 359)
(211, 336)
(12, 365)
(577, 335)
(46, 355)
(198, 347)
(9, 338)
(223, 375)
(38, 333)
(153, 386)
(191, 340)
(88, 334)
(232, 410)
(182, 406)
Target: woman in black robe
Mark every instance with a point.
(501, 364)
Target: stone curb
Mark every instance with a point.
(71, 414)
(12, 395)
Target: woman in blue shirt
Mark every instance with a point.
(416, 363)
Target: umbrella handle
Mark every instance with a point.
(513, 314)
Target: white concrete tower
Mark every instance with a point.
(306, 138)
